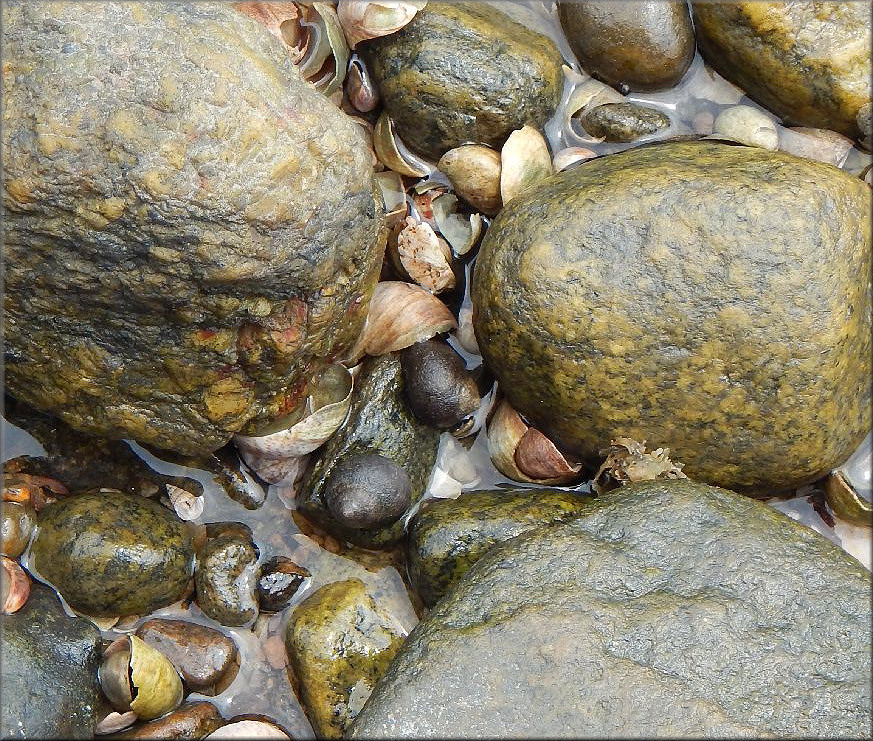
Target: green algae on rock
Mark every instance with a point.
(806, 62)
(636, 44)
(49, 671)
(339, 644)
(447, 536)
(190, 228)
(111, 554)
(460, 73)
(666, 608)
(715, 300)
(381, 423)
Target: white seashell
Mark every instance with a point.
(747, 125)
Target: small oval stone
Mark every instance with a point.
(111, 554)
(200, 654)
(280, 579)
(190, 721)
(225, 579)
(18, 521)
(464, 72)
(632, 44)
(366, 491)
(624, 122)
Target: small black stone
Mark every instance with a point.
(367, 490)
(280, 580)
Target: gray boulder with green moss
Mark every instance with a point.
(714, 300)
(189, 230)
(464, 72)
(447, 536)
(668, 609)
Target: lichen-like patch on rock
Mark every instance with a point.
(190, 228)
(706, 298)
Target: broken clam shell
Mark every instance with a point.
(360, 89)
(402, 314)
(461, 231)
(848, 489)
(393, 197)
(136, 677)
(425, 257)
(362, 20)
(15, 586)
(571, 156)
(523, 453)
(325, 410)
(474, 172)
(524, 160)
(388, 150)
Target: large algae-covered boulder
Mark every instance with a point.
(669, 609)
(637, 44)
(714, 300)
(189, 226)
(49, 671)
(447, 536)
(807, 62)
(464, 72)
(111, 554)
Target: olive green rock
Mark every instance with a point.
(632, 44)
(624, 122)
(461, 73)
(190, 231)
(111, 554)
(226, 579)
(715, 300)
(49, 671)
(668, 609)
(339, 644)
(447, 536)
(379, 422)
(806, 62)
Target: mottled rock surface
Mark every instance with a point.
(227, 579)
(339, 644)
(624, 122)
(669, 609)
(462, 72)
(715, 300)
(806, 62)
(113, 554)
(632, 44)
(190, 228)
(447, 536)
(49, 671)
(379, 422)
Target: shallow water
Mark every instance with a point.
(262, 685)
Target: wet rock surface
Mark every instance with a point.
(448, 536)
(339, 644)
(464, 73)
(164, 282)
(808, 63)
(623, 122)
(748, 359)
(112, 554)
(669, 605)
(200, 654)
(49, 671)
(279, 581)
(193, 720)
(632, 45)
(380, 423)
(226, 579)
